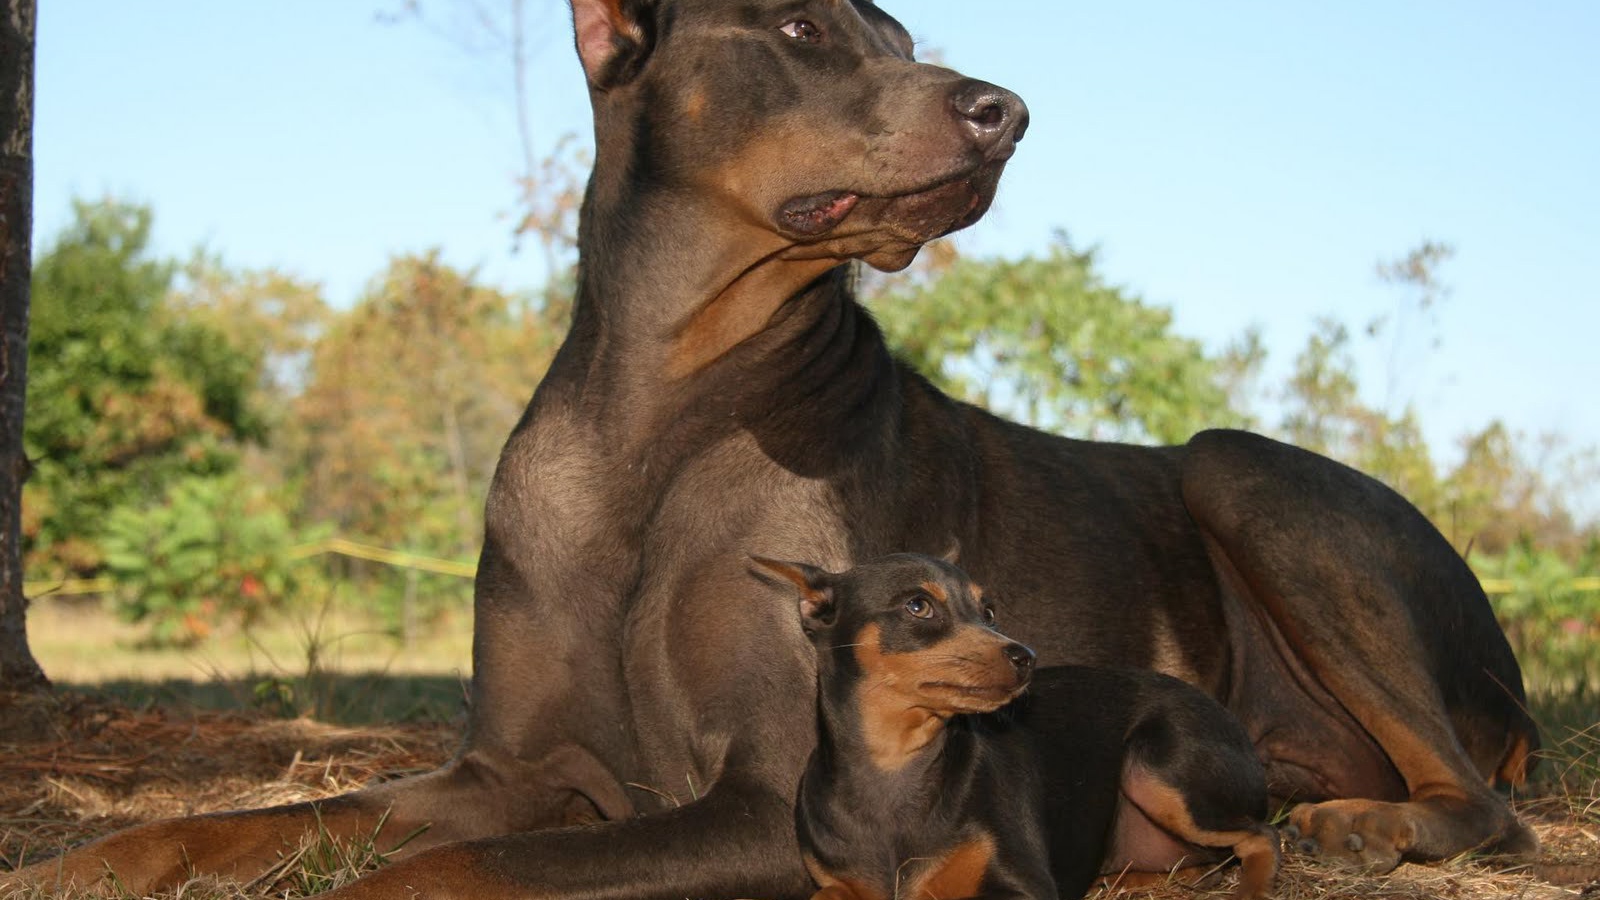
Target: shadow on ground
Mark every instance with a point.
(337, 698)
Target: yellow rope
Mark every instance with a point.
(397, 558)
(340, 546)
(402, 559)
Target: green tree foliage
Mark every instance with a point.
(1047, 341)
(173, 403)
(410, 395)
(126, 395)
(1498, 496)
(272, 320)
(1552, 625)
(213, 548)
(408, 398)
(1495, 495)
(1324, 412)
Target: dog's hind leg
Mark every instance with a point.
(1387, 636)
(1190, 816)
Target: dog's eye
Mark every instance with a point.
(988, 616)
(920, 606)
(802, 30)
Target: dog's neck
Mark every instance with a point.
(873, 734)
(681, 318)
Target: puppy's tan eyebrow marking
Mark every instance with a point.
(936, 591)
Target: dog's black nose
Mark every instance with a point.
(1021, 657)
(995, 117)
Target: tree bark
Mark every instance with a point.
(19, 671)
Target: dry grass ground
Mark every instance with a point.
(103, 766)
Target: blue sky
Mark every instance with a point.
(1244, 163)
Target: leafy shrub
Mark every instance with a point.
(212, 549)
(1551, 618)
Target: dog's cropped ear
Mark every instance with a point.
(952, 553)
(613, 37)
(816, 595)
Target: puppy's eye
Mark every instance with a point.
(988, 616)
(920, 606)
(802, 30)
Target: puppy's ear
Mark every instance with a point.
(614, 37)
(952, 553)
(817, 608)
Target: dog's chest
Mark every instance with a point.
(957, 870)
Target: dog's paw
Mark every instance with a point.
(1365, 835)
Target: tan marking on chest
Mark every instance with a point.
(958, 873)
(893, 723)
(838, 886)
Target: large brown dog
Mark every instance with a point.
(721, 391)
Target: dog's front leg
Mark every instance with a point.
(736, 841)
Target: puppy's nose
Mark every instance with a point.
(1021, 658)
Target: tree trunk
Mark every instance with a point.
(19, 671)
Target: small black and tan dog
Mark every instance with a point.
(929, 782)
